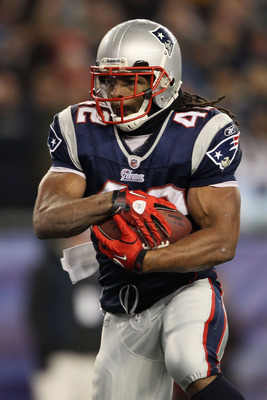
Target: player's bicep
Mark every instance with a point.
(57, 185)
(216, 208)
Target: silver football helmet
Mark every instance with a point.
(136, 48)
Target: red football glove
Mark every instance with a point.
(140, 209)
(128, 251)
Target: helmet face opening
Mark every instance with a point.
(128, 92)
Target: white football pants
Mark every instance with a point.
(181, 337)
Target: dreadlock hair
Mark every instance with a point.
(187, 101)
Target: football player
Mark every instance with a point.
(140, 144)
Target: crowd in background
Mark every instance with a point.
(47, 46)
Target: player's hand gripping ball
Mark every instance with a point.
(125, 244)
(143, 211)
(126, 251)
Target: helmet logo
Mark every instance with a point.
(165, 38)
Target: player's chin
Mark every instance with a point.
(126, 112)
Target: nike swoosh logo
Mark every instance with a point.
(124, 258)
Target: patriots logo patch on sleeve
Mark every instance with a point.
(224, 153)
(53, 140)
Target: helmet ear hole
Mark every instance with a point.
(141, 63)
(172, 82)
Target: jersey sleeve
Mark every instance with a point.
(62, 144)
(216, 154)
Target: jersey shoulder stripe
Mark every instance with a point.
(68, 132)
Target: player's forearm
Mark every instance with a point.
(201, 250)
(66, 217)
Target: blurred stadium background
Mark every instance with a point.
(46, 48)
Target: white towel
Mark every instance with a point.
(80, 261)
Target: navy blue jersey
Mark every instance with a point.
(192, 149)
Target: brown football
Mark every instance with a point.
(179, 223)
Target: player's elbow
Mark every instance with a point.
(40, 226)
(40, 234)
(38, 229)
(228, 255)
(227, 251)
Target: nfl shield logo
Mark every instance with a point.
(134, 161)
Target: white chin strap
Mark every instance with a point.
(132, 125)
